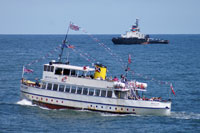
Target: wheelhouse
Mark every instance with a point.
(59, 69)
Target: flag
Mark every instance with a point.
(28, 70)
(98, 69)
(74, 27)
(129, 59)
(172, 89)
(70, 46)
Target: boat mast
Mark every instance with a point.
(137, 22)
(137, 25)
(64, 41)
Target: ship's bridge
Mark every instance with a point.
(55, 68)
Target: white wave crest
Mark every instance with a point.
(25, 102)
(186, 116)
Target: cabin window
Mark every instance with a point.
(79, 90)
(122, 95)
(66, 72)
(73, 73)
(109, 94)
(67, 89)
(97, 92)
(91, 92)
(61, 88)
(58, 71)
(73, 90)
(43, 85)
(52, 68)
(48, 68)
(55, 87)
(103, 93)
(85, 91)
(49, 86)
(45, 67)
(77, 73)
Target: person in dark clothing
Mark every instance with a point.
(37, 84)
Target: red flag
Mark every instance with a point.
(172, 89)
(74, 27)
(70, 46)
(129, 59)
(28, 70)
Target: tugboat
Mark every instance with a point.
(135, 37)
(66, 86)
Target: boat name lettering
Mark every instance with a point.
(49, 77)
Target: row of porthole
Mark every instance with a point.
(46, 99)
(111, 108)
(90, 105)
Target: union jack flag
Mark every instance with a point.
(74, 27)
(98, 69)
(28, 70)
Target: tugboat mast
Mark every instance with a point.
(137, 22)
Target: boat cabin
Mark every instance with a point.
(60, 69)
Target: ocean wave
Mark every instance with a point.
(186, 116)
(25, 102)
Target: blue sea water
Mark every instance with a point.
(178, 63)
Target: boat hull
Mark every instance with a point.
(61, 100)
(128, 41)
(120, 40)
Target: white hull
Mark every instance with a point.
(56, 99)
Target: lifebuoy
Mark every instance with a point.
(64, 79)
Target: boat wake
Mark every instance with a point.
(185, 116)
(25, 102)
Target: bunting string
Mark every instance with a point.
(121, 62)
(45, 56)
(116, 57)
(92, 60)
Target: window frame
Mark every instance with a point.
(48, 86)
(56, 87)
(62, 88)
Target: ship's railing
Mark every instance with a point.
(30, 83)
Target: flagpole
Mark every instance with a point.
(23, 72)
(129, 61)
(64, 41)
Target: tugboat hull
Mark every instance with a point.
(128, 41)
(158, 42)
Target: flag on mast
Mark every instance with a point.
(129, 59)
(27, 70)
(172, 89)
(74, 27)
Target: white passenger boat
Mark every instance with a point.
(66, 86)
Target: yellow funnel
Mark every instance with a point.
(100, 72)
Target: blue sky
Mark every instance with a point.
(99, 16)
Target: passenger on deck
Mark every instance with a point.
(115, 79)
(37, 84)
(123, 78)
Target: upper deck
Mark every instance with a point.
(69, 74)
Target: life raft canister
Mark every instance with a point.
(100, 71)
(64, 79)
